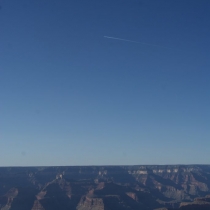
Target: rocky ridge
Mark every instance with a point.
(103, 187)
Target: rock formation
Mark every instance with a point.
(105, 187)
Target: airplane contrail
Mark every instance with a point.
(127, 40)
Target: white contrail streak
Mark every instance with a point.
(127, 40)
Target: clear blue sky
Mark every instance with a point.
(70, 96)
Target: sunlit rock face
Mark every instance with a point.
(103, 187)
(197, 204)
(90, 203)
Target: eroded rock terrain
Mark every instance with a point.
(105, 187)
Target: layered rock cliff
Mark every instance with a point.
(102, 187)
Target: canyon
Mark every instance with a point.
(105, 187)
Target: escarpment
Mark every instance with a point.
(104, 187)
